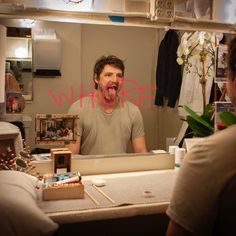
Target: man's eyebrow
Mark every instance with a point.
(110, 72)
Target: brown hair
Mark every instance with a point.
(232, 59)
(109, 60)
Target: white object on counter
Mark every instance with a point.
(179, 156)
(172, 149)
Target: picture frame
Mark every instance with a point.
(55, 129)
(221, 63)
(221, 107)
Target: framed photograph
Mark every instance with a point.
(220, 107)
(221, 63)
(56, 128)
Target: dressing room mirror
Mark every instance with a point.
(138, 46)
(19, 59)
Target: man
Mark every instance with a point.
(204, 196)
(106, 122)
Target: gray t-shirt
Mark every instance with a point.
(200, 186)
(106, 133)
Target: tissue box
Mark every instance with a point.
(62, 186)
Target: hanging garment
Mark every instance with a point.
(168, 71)
(191, 89)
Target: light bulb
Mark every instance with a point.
(21, 52)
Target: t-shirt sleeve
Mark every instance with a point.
(137, 126)
(194, 199)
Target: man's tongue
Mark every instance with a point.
(111, 91)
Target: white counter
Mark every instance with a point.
(127, 177)
(125, 205)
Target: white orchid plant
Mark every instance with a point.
(199, 46)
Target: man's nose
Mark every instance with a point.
(116, 78)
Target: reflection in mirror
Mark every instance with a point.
(159, 122)
(19, 59)
(22, 73)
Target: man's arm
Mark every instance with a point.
(74, 147)
(139, 145)
(175, 229)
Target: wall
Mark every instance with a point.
(81, 46)
(70, 34)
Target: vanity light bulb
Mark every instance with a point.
(21, 52)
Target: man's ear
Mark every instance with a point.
(95, 78)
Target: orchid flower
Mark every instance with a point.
(199, 46)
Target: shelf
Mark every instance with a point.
(139, 19)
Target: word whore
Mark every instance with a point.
(130, 90)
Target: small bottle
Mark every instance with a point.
(172, 149)
(179, 156)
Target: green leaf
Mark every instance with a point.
(199, 119)
(228, 118)
(198, 129)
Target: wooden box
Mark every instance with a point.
(64, 191)
(62, 186)
(61, 160)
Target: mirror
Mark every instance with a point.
(137, 45)
(19, 59)
(23, 75)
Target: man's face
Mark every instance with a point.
(109, 82)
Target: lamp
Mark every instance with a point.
(18, 48)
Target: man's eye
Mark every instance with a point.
(120, 76)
